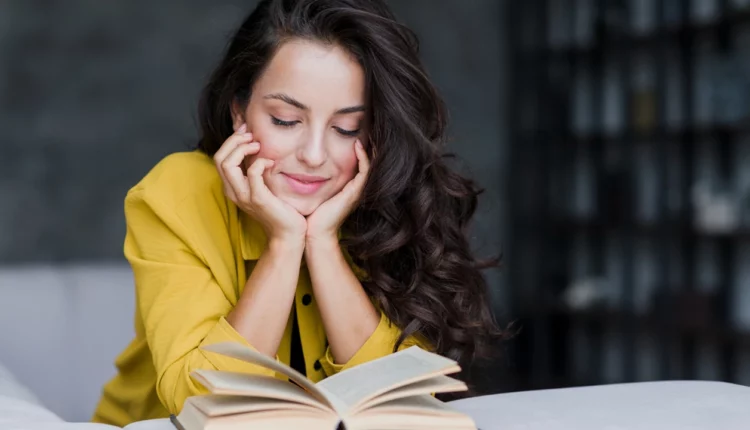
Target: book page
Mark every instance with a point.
(274, 420)
(437, 384)
(368, 380)
(213, 405)
(241, 352)
(246, 384)
(424, 403)
(154, 424)
(192, 418)
(418, 412)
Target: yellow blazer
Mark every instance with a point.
(191, 250)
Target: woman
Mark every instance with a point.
(316, 222)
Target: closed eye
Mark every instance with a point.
(347, 133)
(282, 123)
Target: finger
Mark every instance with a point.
(353, 189)
(231, 144)
(235, 158)
(232, 170)
(218, 160)
(258, 189)
(364, 161)
(364, 165)
(233, 161)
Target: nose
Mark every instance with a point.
(312, 150)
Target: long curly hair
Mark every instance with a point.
(409, 232)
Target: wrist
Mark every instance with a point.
(322, 243)
(286, 245)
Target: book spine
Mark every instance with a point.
(175, 422)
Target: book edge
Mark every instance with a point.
(175, 422)
(295, 377)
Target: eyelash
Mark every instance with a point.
(289, 124)
(347, 133)
(281, 123)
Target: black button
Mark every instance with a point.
(317, 365)
(306, 299)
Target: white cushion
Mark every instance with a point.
(65, 326)
(21, 410)
(12, 389)
(18, 405)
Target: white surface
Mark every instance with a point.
(20, 414)
(18, 405)
(61, 328)
(673, 405)
(11, 388)
(20, 410)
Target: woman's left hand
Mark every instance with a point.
(325, 221)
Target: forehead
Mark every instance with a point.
(316, 74)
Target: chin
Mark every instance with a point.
(304, 207)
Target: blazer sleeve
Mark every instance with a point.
(379, 344)
(178, 299)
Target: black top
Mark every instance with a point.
(296, 359)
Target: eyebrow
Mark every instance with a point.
(299, 105)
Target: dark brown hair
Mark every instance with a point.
(410, 230)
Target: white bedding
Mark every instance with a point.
(21, 410)
(11, 388)
(18, 405)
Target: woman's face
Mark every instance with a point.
(307, 110)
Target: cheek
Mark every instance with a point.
(269, 150)
(272, 143)
(347, 163)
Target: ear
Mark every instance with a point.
(238, 115)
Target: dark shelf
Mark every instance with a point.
(670, 34)
(656, 229)
(546, 157)
(651, 136)
(520, 381)
(653, 324)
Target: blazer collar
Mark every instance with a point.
(252, 237)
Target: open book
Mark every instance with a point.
(392, 392)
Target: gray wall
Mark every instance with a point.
(93, 93)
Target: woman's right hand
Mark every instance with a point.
(249, 192)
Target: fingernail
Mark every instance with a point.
(242, 128)
(359, 143)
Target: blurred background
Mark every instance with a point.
(612, 138)
(629, 189)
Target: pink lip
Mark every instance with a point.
(304, 184)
